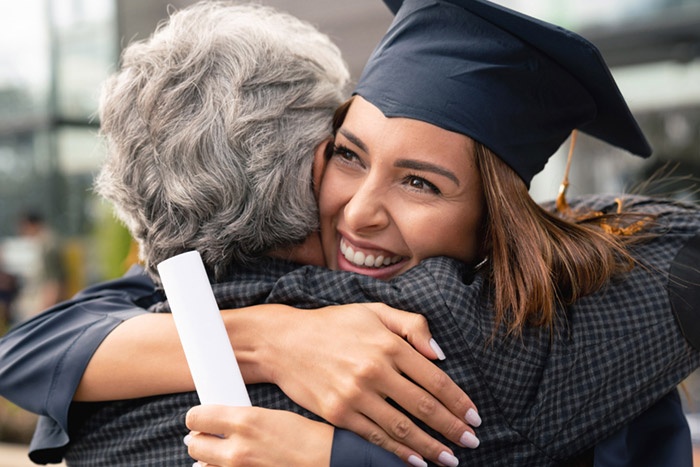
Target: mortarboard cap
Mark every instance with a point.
(516, 84)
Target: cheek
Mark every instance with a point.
(452, 234)
(465, 237)
(331, 195)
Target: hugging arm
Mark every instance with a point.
(58, 345)
(346, 383)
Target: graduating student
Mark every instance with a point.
(461, 104)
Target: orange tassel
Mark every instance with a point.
(561, 203)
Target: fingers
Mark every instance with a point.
(384, 425)
(372, 432)
(429, 377)
(426, 408)
(426, 392)
(429, 410)
(411, 326)
(423, 389)
(208, 419)
(207, 449)
(257, 437)
(432, 388)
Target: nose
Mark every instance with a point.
(366, 211)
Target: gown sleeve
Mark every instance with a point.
(684, 290)
(350, 450)
(43, 359)
(659, 437)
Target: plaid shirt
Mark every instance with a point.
(543, 398)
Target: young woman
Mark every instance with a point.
(427, 194)
(412, 176)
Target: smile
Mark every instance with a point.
(367, 260)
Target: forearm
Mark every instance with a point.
(280, 345)
(143, 356)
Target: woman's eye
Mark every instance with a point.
(345, 154)
(421, 184)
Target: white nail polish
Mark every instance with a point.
(469, 440)
(416, 461)
(187, 439)
(436, 348)
(445, 458)
(473, 418)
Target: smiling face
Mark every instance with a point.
(397, 191)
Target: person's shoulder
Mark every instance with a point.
(684, 289)
(635, 203)
(135, 283)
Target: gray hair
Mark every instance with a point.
(211, 124)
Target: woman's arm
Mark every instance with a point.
(365, 359)
(252, 436)
(135, 353)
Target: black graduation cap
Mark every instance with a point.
(516, 84)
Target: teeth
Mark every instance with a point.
(359, 258)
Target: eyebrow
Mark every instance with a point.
(428, 167)
(353, 139)
(404, 163)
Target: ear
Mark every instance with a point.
(319, 166)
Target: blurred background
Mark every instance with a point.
(56, 237)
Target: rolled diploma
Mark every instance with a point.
(200, 326)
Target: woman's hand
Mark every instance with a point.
(253, 437)
(343, 362)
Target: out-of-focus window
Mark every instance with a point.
(85, 48)
(54, 56)
(25, 82)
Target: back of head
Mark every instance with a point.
(211, 125)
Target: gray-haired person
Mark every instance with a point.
(210, 125)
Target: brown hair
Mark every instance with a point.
(539, 259)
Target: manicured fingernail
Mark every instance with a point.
(416, 461)
(445, 458)
(187, 439)
(469, 440)
(196, 464)
(436, 348)
(473, 418)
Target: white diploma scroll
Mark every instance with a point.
(210, 357)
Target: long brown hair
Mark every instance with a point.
(539, 259)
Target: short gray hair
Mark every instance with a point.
(211, 124)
